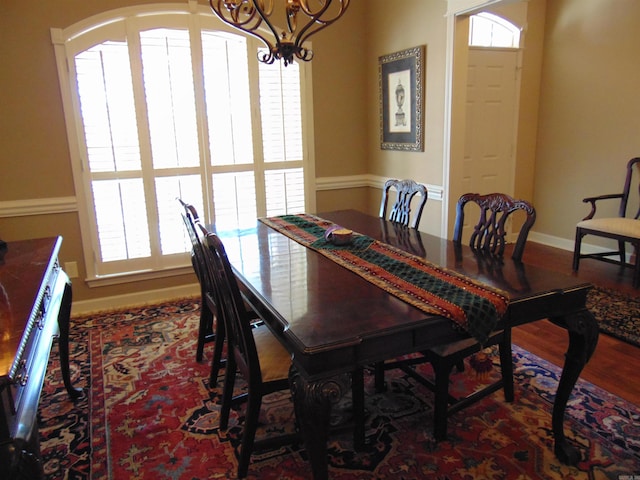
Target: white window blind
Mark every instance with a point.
(165, 112)
(282, 144)
(170, 98)
(226, 80)
(280, 104)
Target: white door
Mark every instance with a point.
(490, 121)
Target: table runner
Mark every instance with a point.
(474, 307)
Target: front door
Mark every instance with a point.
(491, 121)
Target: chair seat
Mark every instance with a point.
(450, 349)
(274, 365)
(627, 227)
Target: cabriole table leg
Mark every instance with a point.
(583, 338)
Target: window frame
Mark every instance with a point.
(116, 23)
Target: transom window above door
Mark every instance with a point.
(489, 30)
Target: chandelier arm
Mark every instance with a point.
(304, 6)
(317, 22)
(344, 4)
(304, 54)
(232, 17)
(313, 17)
(249, 16)
(250, 25)
(265, 18)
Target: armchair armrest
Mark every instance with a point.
(593, 200)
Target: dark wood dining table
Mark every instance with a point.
(333, 321)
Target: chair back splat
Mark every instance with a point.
(401, 209)
(489, 234)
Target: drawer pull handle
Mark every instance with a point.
(22, 379)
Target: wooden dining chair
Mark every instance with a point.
(488, 241)
(206, 326)
(253, 351)
(400, 211)
(210, 329)
(404, 226)
(403, 223)
(621, 228)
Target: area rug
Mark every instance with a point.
(149, 413)
(618, 314)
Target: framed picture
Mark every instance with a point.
(401, 78)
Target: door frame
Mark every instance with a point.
(457, 20)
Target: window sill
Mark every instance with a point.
(131, 277)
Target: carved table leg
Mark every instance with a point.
(63, 343)
(583, 338)
(312, 402)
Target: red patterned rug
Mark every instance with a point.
(150, 414)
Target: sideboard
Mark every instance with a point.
(35, 306)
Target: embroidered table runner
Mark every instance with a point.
(474, 307)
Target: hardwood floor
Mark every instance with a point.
(615, 364)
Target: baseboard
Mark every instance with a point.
(552, 241)
(150, 297)
(566, 244)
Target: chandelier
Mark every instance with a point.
(303, 18)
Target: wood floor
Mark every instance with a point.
(615, 364)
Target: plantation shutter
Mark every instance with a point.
(280, 107)
(113, 151)
(164, 109)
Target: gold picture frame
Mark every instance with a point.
(401, 79)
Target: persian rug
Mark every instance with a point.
(149, 413)
(618, 314)
(472, 306)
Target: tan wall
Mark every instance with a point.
(339, 96)
(589, 109)
(526, 149)
(394, 28)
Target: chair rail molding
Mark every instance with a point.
(37, 206)
(435, 192)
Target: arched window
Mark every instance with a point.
(488, 30)
(164, 101)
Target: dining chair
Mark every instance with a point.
(400, 216)
(488, 241)
(253, 351)
(400, 211)
(405, 233)
(621, 228)
(206, 325)
(210, 328)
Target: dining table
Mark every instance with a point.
(335, 320)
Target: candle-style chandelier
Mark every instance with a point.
(303, 18)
